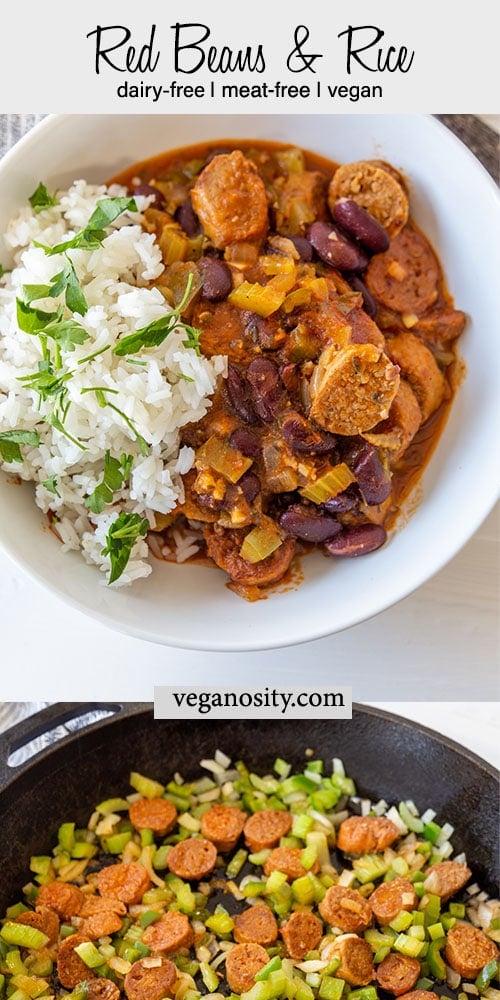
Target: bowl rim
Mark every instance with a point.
(387, 598)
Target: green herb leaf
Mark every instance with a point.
(100, 391)
(120, 539)
(91, 237)
(55, 421)
(10, 441)
(34, 321)
(156, 332)
(31, 293)
(65, 281)
(41, 199)
(67, 333)
(116, 473)
(45, 382)
(51, 486)
(193, 338)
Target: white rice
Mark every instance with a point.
(115, 279)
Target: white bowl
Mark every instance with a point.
(454, 201)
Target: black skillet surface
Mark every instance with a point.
(387, 756)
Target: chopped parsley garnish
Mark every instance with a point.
(93, 234)
(45, 382)
(66, 332)
(41, 199)
(116, 474)
(51, 486)
(100, 391)
(66, 281)
(10, 441)
(156, 332)
(121, 539)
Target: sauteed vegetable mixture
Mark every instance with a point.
(283, 885)
(332, 309)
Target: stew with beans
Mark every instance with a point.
(340, 334)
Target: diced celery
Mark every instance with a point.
(14, 963)
(40, 864)
(31, 985)
(216, 453)
(408, 945)
(116, 842)
(417, 931)
(457, 910)
(432, 908)
(236, 863)
(436, 964)
(297, 783)
(173, 244)
(302, 824)
(254, 889)
(488, 972)
(23, 935)
(186, 899)
(260, 299)
(220, 922)
(331, 988)
(19, 995)
(335, 481)
(274, 882)
(147, 837)
(149, 917)
(431, 832)
(448, 922)
(418, 918)
(112, 806)
(400, 866)
(303, 889)
(271, 966)
(419, 889)
(160, 857)
(402, 921)
(370, 867)
(260, 857)
(15, 911)
(308, 857)
(260, 543)
(267, 785)
(83, 850)
(42, 966)
(412, 822)
(379, 940)
(146, 787)
(423, 983)
(380, 954)
(66, 836)
(209, 976)
(281, 767)
(365, 993)
(89, 954)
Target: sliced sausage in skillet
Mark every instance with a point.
(468, 950)
(390, 898)
(145, 981)
(223, 825)
(65, 899)
(243, 963)
(301, 933)
(398, 973)
(100, 924)
(158, 815)
(102, 989)
(44, 920)
(256, 924)
(345, 908)
(446, 878)
(265, 828)
(356, 959)
(365, 834)
(126, 882)
(71, 969)
(169, 934)
(193, 858)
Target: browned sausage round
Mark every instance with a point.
(420, 995)
(468, 949)
(100, 904)
(288, 861)
(446, 878)
(100, 924)
(356, 960)
(365, 834)
(419, 366)
(223, 825)
(230, 200)
(43, 919)
(151, 982)
(406, 277)
(390, 898)
(102, 989)
(193, 858)
(62, 897)
(265, 828)
(170, 933)
(158, 815)
(257, 924)
(398, 973)
(223, 546)
(376, 187)
(71, 969)
(301, 934)
(243, 963)
(125, 882)
(346, 908)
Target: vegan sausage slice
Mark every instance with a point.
(352, 388)
(345, 908)
(193, 858)
(419, 366)
(169, 934)
(365, 834)
(398, 973)
(256, 924)
(62, 897)
(71, 969)
(126, 882)
(100, 924)
(223, 825)
(406, 277)
(158, 815)
(43, 919)
(468, 949)
(243, 963)
(446, 878)
(146, 981)
(266, 827)
(391, 897)
(230, 200)
(301, 933)
(376, 188)
(102, 989)
(356, 959)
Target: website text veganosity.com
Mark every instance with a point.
(253, 703)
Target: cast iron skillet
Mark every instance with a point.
(387, 756)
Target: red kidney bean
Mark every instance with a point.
(266, 388)
(238, 393)
(372, 479)
(187, 218)
(250, 485)
(361, 225)
(348, 500)
(289, 373)
(303, 247)
(369, 304)
(357, 541)
(302, 437)
(245, 441)
(308, 524)
(147, 190)
(336, 249)
(216, 279)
